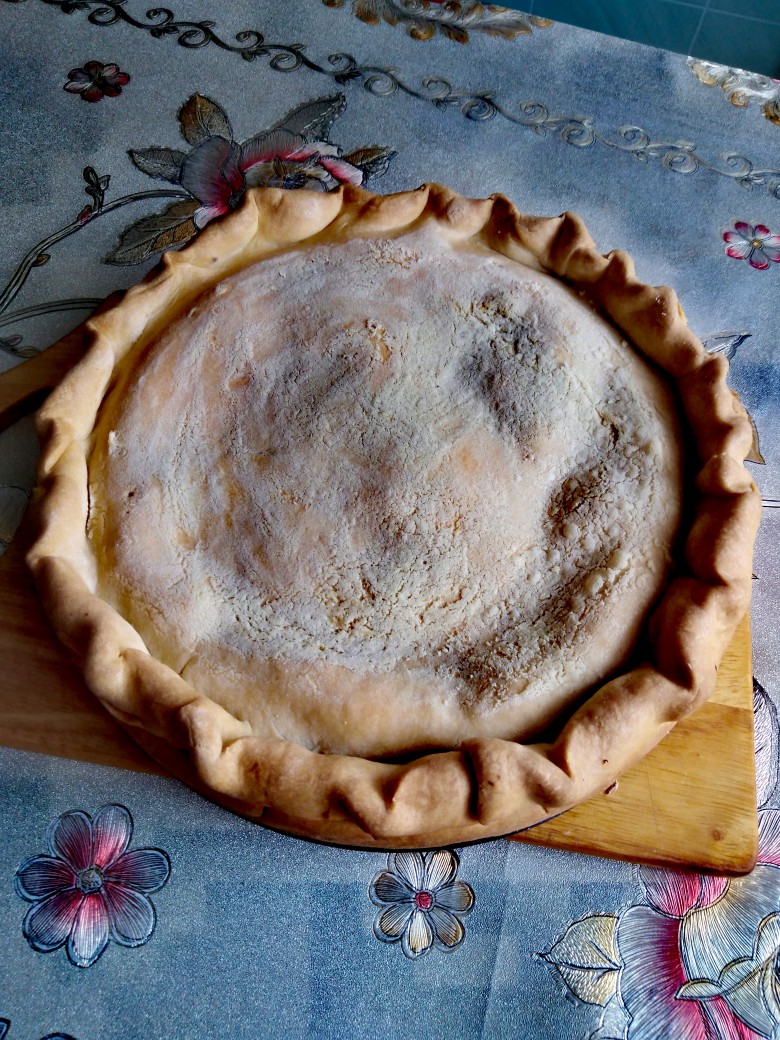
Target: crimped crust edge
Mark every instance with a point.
(487, 787)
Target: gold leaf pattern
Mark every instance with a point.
(587, 959)
(453, 19)
(740, 87)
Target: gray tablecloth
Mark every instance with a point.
(213, 927)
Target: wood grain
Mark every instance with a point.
(692, 801)
(25, 387)
(44, 704)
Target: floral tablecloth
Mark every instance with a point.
(129, 907)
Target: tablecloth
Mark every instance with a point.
(123, 131)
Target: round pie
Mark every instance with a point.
(397, 521)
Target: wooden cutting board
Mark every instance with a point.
(690, 803)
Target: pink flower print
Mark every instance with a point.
(769, 837)
(294, 153)
(96, 80)
(697, 960)
(90, 889)
(648, 938)
(689, 919)
(218, 171)
(421, 902)
(211, 174)
(675, 892)
(756, 244)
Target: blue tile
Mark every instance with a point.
(768, 10)
(731, 40)
(660, 23)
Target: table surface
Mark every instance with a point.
(214, 926)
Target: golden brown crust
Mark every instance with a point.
(485, 788)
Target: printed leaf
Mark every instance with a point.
(725, 343)
(754, 455)
(422, 18)
(741, 984)
(712, 942)
(95, 187)
(509, 26)
(162, 163)
(13, 503)
(10, 344)
(767, 730)
(366, 13)
(200, 117)
(768, 938)
(613, 1023)
(314, 119)
(4, 1027)
(726, 946)
(173, 227)
(373, 160)
(91, 177)
(770, 994)
(752, 996)
(452, 32)
(698, 989)
(427, 30)
(586, 958)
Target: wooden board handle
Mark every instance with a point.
(25, 387)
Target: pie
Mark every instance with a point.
(395, 520)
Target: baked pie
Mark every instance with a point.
(395, 520)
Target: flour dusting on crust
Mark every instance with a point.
(388, 495)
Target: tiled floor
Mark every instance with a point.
(743, 33)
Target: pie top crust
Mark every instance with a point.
(356, 495)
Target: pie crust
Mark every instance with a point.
(315, 518)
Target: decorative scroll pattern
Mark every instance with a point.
(741, 87)
(424, 18)
(580, 131)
